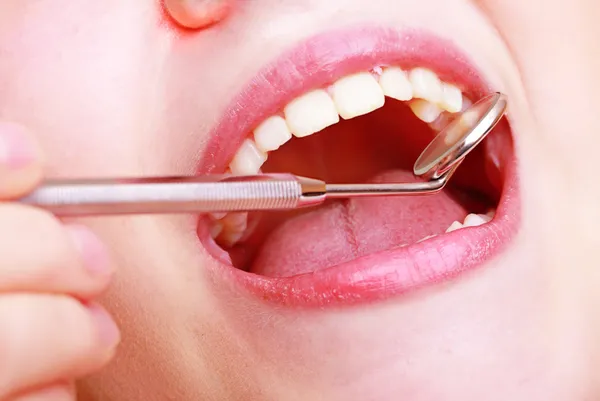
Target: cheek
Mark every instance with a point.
(83, 76)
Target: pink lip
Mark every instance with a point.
(316, 63)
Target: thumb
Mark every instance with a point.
(21, 163)
(197, 14)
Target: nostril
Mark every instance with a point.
(197, 14)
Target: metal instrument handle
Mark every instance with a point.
(169, 195)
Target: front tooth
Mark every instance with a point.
(356, 95)
(248, 159)
(452, 100)
(474, 220)
(310, 113)
(454, 226)
(272, 133)
(426, 85)
(424, 110)
(395, 84)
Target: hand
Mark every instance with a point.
(50, 330)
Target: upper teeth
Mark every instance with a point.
(272, 133)
(248, 159)
(426, 85)
(425, 110)
(395, 84)
(348, 97)
(452, 99)
(310, 113)
(356, 95)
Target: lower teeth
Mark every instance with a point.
(231, 229)
(472, 220)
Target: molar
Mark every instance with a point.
(471, 220)
(310, 113)
(228, 239)
(233, 228)
(356, 95)
(454, 226)
(235, 221)
(216, 229)
(474, 220)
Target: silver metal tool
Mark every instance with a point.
(225, 193)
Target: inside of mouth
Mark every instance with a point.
(381, 146)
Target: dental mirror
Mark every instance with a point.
(449, 148)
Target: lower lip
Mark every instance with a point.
(384, 274)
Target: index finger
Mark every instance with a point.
(21, 161)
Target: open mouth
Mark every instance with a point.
(361, 113)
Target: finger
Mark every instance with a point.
(56, 392)
(197, 14)
(44, 339)
(40, 254)
(20, 161)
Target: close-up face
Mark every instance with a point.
(483, 291)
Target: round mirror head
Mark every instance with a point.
(449, 148)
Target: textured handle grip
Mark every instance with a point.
(169, 196)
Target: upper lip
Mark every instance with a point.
(314, 64)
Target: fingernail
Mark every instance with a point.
(93, 252)
(108, 331)
(16, 149)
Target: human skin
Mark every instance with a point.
(116, 88)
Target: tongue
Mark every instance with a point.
(343, 231)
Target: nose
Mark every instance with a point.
(197, 14)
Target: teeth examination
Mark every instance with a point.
(288, 200)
